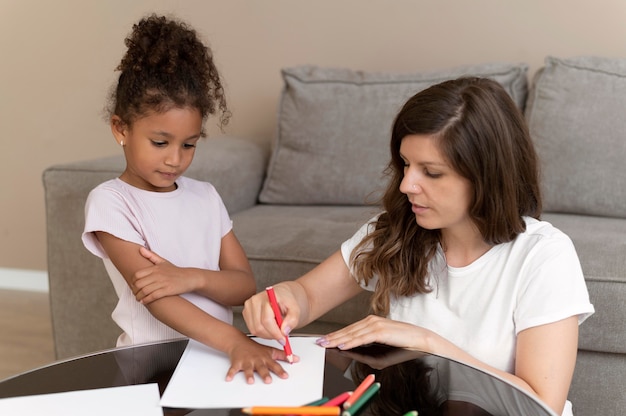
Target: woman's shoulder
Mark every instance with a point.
(542, 229)
(544, 237)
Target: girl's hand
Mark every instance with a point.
(158, 281)
(381, 330)
(260, 318)
(250, 357)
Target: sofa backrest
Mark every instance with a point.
(334, 125)
(576, 116)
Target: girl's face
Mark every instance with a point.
(438, 195)
(158, 147)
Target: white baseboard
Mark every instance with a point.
(19, 279)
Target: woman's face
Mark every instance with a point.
(159, 148)
(438, 195)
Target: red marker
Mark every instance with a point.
(279, 320)
(358, 392)
(338, 400)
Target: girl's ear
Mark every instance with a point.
(119, 130)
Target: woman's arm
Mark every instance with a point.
(544, 361)
(231, 285)
(302, 300)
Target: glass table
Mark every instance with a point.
(410, 380)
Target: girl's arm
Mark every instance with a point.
(231, 285)
(183, 316)
(544, 361)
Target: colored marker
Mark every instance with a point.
(338, 400)
(361, 401)
(318, 402)
(302, 410)
(367, 381)
(279, 320)
(411, 413)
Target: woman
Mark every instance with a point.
(459, 263)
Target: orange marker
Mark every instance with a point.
(302, 410)
(367, 381)
(279, 320)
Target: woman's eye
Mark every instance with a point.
(432, 174)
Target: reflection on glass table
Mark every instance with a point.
(432, 385)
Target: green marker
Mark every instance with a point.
(361, 401)
(318, 402)
(411, 413)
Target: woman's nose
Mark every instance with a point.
(410, 185)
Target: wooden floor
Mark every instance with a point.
(25, 332)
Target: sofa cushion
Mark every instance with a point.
(600, 243)
(576, 117)
(334, 126)
(284, 242)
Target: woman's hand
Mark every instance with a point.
(160, 280)
(249, 357)
(378, 360)
(260, 318)
(303, 300)
(383, 331)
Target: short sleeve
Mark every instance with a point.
(552, 285)
(226, 223)
(106, 210)
(348, 246)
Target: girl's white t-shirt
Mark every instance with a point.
(533, 280)
(184, 226)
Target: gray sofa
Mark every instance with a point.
(292, 208)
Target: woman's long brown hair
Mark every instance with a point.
(484, 137)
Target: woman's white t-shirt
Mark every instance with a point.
(184, 226)
(533, 280)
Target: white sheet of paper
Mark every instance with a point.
(142, 399)
(199, 379)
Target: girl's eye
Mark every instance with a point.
(189, 145)
(158, 143)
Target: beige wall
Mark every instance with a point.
(57, 60)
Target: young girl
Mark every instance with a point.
(166, 240)
(459, 263)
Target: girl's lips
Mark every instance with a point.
(169, 175)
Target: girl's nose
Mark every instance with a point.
(173, 158)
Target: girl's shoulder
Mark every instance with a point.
(110, 187)
(197, 187)
(191, 183)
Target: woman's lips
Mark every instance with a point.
(418, 209)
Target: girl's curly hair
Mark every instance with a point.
(166, 66)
